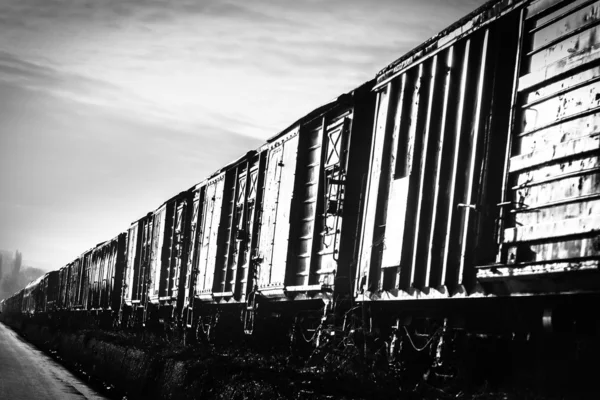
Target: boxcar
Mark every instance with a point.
(30, 297)
(136, 273)
(451, 214)
(51, 291)
(223, 229)
(75, 283)
(107, 262)
(64, 279)
(311, 178)
(168, 258)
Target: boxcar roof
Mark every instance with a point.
(483, 15)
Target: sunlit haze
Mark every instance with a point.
(109, 107)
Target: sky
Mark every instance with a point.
(110, 107)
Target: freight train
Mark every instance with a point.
(457, 189)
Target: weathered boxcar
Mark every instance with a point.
(193, 256)
(136, 271)
(223, 229)
(75, 284)
(443, 197)
(12, 307)
(311, 179)
(209, 224)
(87, 279)
(31, 299)
(548, 230)
(168, 261)
(106, 279)
(51, 291)
(64, 280)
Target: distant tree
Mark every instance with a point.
(17, 263)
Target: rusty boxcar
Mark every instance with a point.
(448, 213)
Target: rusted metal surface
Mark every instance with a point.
(434, 174)
(552, 191)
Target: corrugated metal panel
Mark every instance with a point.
(131, 273)
(247, 229)
(193, 259)
(241, 204)
(157, 253)
(87, 279)
(65, 281)
(275, 219)
(179, 246)
(52, 291)
(75, 280)
(142, 287)
(107, 269)
(553, 187)
(168, 256)
(211, 218)
(226, 262)
(96, 267)
(309, 176)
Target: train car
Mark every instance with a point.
(311, 180)
(136, 273)
(193, 260)
(87, 278)
(222, 230)
(51, 291)
(12, 308)
(31, 299)
(64, 279)
(168, 259)
(452, 223)
(74, 286)
(106, 280)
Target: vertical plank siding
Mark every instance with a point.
(552, 190)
